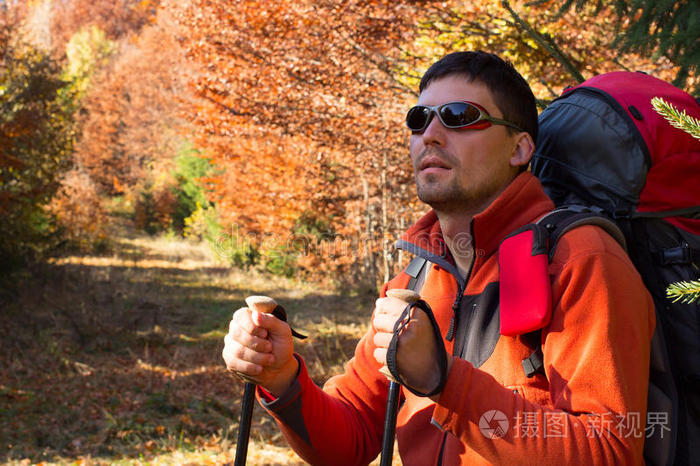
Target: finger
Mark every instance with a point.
(383, 306)
(390, 305)
(271, 324)
(248, 373)
(243, 353)
(380, 355)
(243, 318)
(384, 323)
(382, 340)
(255, 343)
(245, 368)
(238, 355)
(238, 331)
(233, 363)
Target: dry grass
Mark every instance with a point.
(116, 359)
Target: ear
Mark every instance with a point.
(522, 152)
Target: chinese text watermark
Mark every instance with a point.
(537, 424)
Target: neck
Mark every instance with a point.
(456, 230)
(456, 222)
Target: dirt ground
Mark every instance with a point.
(116, 359)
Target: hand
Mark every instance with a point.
(416, 353)
(259, 346)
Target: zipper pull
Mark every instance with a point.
(451, 332)
(453, 322)
(455, 313)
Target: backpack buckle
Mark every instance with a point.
(678, 255)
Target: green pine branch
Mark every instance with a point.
(685, 292)
(678, 119)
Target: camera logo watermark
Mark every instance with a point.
(493, 424)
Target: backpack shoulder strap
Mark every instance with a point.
(557, 223)
(535, 362)
(562, 220)
(417, 269)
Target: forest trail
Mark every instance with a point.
(116, 358)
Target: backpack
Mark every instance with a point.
(602, 145)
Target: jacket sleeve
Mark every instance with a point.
(596, 359)
(341, 424)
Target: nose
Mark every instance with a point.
(434, 133)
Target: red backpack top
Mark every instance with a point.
(618, 153)
(673, 180)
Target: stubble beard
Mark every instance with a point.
(447, 196)
(436, 192)
(439, 195)
(443, 192)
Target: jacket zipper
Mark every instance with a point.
(461, 288)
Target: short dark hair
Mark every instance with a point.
(510, 91)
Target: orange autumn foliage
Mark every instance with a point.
(302, 103)
(299, 105)
(298, 110)
(130, 120)
(78, 210)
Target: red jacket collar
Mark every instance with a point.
(522, 202)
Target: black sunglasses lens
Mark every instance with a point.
(452, 115)
(457, 114)
(417, 118)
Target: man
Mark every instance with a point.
(472, 136)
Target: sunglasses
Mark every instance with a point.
(453, 115)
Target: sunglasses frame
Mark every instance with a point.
(483, 116)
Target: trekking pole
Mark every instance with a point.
(265, 305)
(244, 425)
(392, 402)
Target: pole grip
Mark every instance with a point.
(261, 304)
(409, 296)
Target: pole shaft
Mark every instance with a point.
(244, 425)
(392, 408)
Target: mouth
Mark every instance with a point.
(432, 163)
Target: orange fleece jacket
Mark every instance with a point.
(589, 406)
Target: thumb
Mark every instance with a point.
(272, 324)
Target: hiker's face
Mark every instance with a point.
(461, 169)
